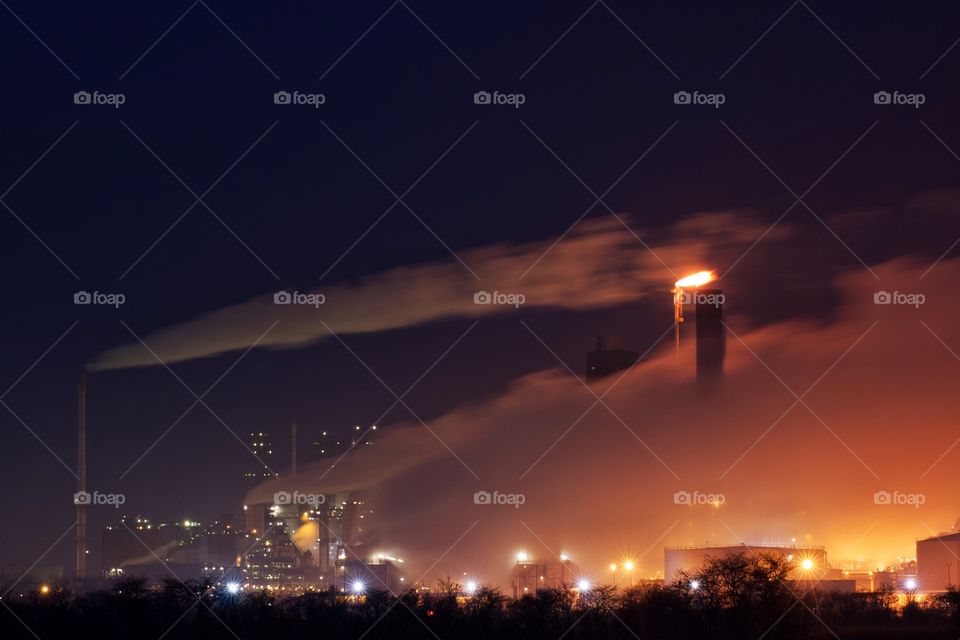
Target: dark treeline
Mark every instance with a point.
(738, 597)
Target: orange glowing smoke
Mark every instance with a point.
(697, 279)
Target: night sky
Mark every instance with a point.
(200, 193)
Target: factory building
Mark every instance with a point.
(938, 562)
(607, 356)
(530, 576)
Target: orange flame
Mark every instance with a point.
(697, 279)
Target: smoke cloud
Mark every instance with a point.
(600, 484)
(600, 263)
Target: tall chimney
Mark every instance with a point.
(81, 503)
(711, 338)
(293, 448)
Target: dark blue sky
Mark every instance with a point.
(399, 98)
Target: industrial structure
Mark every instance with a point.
(810, 562)
(531, 576)
(608, 356)
(710, 330)
(938, 562)
(79, 499)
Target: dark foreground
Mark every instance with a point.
(738, 598)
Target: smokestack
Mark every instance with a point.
(711, 337)
(293, 448)
(81, 504)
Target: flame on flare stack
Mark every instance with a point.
(697, 279)
(692, 281)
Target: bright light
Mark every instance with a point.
(44, 590)
(806, 564)
(628, 565)
(613, 566)
(357, 586)
(910, 584)
(522, 556)
(583, 585)
(564, 557)
(471, 587)
(694, 584)
(697, 279)
(233, 588)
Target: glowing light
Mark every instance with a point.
(697, 279)
(471, 587)
(564, 557)
(233, 588)
(44, 590)
(613, 566)
(522, 556)
(806, 564)
(357, 586)
(583, 585)
(910, 584)
(628, 565)
(694, 584)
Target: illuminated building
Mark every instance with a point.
(380, 574)
(140, 547)
(608, 356)
(530, 576)
(938, 563)
(262, 447)
(273, 559)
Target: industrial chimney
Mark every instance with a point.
(80, 499)
(293, 448)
